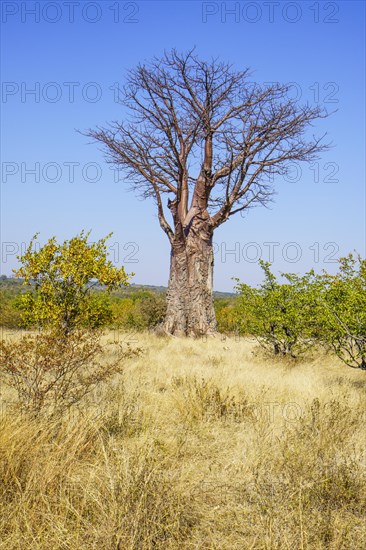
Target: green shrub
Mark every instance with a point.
(143, 310)
(328, 310)
(10, 315)
(227, 315)
(280, 316)
(62, 277)
(341, 311)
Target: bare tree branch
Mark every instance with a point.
(203, 132)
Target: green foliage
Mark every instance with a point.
(10, 315)
(227, 315)
(328, 310)
(98, 312)
(287, 317)
(126, 309)
(341, 310)
(278, 315)
(62, 277)
(151, 310)
(141, 311)
(123, 313)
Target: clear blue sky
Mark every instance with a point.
(73, 54)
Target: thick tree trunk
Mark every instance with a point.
(190, 310)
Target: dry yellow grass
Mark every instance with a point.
(199, 445)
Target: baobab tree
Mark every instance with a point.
(212, 141)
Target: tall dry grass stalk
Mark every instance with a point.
(199, 445)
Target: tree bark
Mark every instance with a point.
(190, 310)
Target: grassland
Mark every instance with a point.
(198, 445)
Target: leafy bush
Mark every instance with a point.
(10, 315)
(143, 310)
(328, 310)
(152, 310)
(341, 311)
(63, 276)
(227, 315)
(278, 315)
